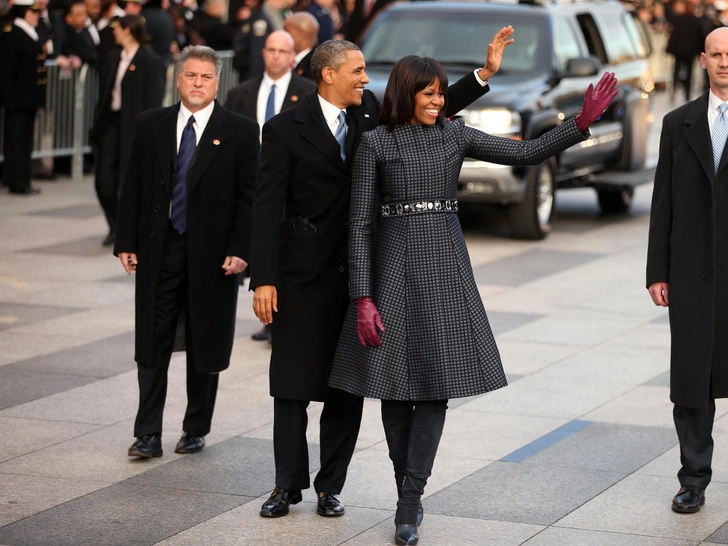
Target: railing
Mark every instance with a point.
(62, 127)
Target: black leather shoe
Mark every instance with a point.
(263, 335)
(329, 505)
(190, 444)
(30, 190)
(278, 502)
(406, 534)
(147, 447)
(110, 238)
(689, 499)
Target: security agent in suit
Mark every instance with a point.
(77, 41)
(184, 227)
(686, 260)
(299, 257)
(254, 99)
(131, 81)
(304, 28)
(24, 91)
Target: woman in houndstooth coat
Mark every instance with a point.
(436, 342)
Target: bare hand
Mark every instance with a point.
(265, 302)
(234, 265)
(62, 61)
(658, 292)
(76, 62)
(497, 46)
(128, 261)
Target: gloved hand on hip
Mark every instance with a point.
(367, 322)
(596, 100)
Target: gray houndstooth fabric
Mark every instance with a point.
(438, 343)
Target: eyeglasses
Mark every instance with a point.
(272, 51)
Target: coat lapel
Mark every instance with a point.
(313, 128)
(697, 136)
(165, 137)
(352, 136)
(211, 140)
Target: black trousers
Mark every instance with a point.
(682, 74)
(108, 157)
(18, 146)
(694, 428)
(201, 387)
(340, 421)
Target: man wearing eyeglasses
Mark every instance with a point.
(184, 226)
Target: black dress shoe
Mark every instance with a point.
(30, 190)
(329, 505)
(263, 335)
(190, 444)
(109, 240)
(147, 447)
(406, 534)
(278, 502)
(689, 499)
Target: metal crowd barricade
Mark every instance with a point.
(62, 127)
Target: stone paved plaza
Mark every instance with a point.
(579, 449)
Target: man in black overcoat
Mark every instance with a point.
(299, 263)
(24, 87)
(686, 263)
(184, 227)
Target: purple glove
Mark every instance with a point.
(367, 322)
(596, 100)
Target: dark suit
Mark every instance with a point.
(303, 68)
(24, 92)
(80, 44)
(243, 99)
(689, 251)
(142, 88)
(183, 273)
(303, 180)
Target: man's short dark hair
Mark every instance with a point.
(410, 75)
(331, 53)
(69, 7)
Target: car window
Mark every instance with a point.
(566, 44)
(594, 42)
(619, 45)
(638, 35)
(461, 39)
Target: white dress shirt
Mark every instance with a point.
(93, 31)
(331, 114)
(201, 119)
(713, 111)
(124, 63)
(263, 92)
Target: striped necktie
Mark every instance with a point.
(187, 147)
(720, 133)
(341, 134)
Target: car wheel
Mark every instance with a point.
(616, 202)
(531, 218)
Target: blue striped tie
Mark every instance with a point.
(187, 147)
(341, 134)
(270, 107)
(720, 132)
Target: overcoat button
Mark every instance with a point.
(341, 269)
(707, 238)
(156, 209)
(705, 275)
(151, 235)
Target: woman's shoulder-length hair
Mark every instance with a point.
(410, 75)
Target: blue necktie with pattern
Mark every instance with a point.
(270, 107)
(341, 134)
(187, 147)
(720, 132)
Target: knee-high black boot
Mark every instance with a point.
(428, 420)
(397, 420)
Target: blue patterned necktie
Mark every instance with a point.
(720, 132)
(341, 134)
(184, 158)
(270, 108)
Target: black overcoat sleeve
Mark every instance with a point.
(463, 93)
(658, 248)
(246, 168)
(127, 222)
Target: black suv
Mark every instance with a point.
(559, 50)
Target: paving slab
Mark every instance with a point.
(85, 210)
(558, 536)
(668, 463)
(528, 266)
(13, 315)
(22, 436)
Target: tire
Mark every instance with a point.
(616, 201)
(531, 218)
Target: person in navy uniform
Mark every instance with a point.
(24, 91)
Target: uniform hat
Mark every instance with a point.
(30, 4)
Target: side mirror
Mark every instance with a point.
(581, 67)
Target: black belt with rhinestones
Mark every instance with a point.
(417, 207)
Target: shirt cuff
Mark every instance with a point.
(482, 83)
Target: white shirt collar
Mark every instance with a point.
(129, 56)
(23, 24)
(714, 103)
(281, 83)
(201, 116)
(331, 112)
(301, 54)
